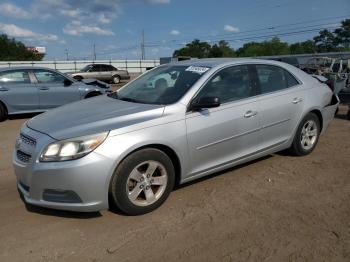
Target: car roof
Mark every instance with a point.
(99, 64)
(213, 62)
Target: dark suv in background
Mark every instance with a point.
(103, 72)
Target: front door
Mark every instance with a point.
(217, 136)
(52, 90)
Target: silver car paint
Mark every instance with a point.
(38, 97)
(204, 142)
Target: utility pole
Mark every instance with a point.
(94, 52)
(66, 52)
(143, 51)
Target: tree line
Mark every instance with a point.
(325, 41)
(12, 50)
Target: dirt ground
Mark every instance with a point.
(280, 208)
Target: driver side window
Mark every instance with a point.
(44, 76)
(229, 84)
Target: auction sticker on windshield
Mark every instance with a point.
(197, 69)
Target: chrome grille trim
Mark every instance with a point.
(28, 140)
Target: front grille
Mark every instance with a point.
(28, 140)
(24, 157)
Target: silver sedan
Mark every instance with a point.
(36, 89)
(173, 124)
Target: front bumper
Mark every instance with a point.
(78, 185)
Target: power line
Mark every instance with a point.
(240, 36)
(255, 30)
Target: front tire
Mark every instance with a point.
(3, 113)
(307, 135)
(142, 182)
(78, 78)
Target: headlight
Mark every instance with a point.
(72, 148)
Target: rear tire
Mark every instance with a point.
(307, 135)
(142, 182)
(3, 112)
(116, 79)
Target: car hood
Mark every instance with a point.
(92, 116)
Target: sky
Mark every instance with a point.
(115, 27)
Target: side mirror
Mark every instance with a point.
(67, 82)
(205, 102)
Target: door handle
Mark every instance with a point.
(44, 88)
(297, 100)
(250, 113)
(3, 89)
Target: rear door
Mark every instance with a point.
(217, 136)
(280, 104)
(52, 90)
(18, 92)
(106, 73)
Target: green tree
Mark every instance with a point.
(306, 47)
(267, 48)
(12, 50)
(194, 49)
(222, 49)
(325, 42)
(342, 35)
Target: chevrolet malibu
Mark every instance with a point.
(131, 147)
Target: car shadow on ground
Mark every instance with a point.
(22, 116)
(342, 116)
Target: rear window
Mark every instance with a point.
(274, 78)
(15, 77)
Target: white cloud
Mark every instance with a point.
(11, 10)
(70, 13)
(231, 29)
(159, 1)
(103, 19)
(175, 32)
(76, 28)
(19, 32)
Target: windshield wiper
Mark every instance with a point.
(114, 95)
(128, 99)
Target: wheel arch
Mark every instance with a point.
(5, 106)
(92, 94)
(318, 113)
(78, 77)
(170, 152)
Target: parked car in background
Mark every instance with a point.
(132, 146)
(106, 73)
(35, 89)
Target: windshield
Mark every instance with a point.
(86, 68)
(163, 85)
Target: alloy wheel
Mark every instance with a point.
(146, 183)
(309, 135)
